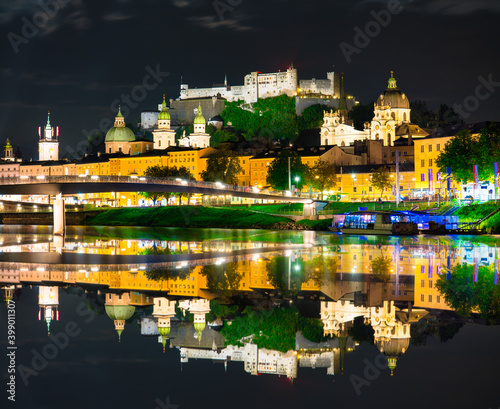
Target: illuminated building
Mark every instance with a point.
(118, 308)
(48, 143)
(163, 136)
(48, 302)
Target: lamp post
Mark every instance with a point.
(353, 187)
(297, 184)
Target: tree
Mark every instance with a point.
(222, 166)
(465, 294)
(277, 172)
(465, 150)
(381, 179)
(158, 171)
(273, 118)
(222, 280)
(381, 268)
(312, 116)
(459, 154)
(322, 176)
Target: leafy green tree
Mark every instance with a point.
(465, 295)
(222, 280)
(158, 171)
(322, 176)
(286, 278)
(459, 154)
(465, 150)
(381, 179)
(277, 172)
(381, 268)
(223, 135)
(222, 166)
(273, 118)
(312, 116)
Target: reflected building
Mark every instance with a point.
(48, 304)
(118, 308)
(163, 311)
(391, 325)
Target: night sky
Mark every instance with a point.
(81, 60)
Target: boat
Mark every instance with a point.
(376, 223)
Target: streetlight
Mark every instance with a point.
(297, 183)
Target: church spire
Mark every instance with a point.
(119, 119)
(342, 103)
(392, 82)
(48, 126)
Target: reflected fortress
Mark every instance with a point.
(275, 307)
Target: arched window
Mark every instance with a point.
(326, 141)
(393, 115)
(404, 116)
(343, 143)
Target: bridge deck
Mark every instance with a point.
(72, 185)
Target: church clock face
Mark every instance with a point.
(51, 150)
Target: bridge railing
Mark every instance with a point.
(218, 187)
(125, 179)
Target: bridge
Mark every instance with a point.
(71, 185)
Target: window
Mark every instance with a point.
(430, 283)
(393, 154)
(354, 189)
(422, 163)
(422, 297)
(438, 147)
(430, 162)
(422, 149)
(430, 298)
(430, 148)
(422, 283)
(438, 299)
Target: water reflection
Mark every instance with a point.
(276, 305)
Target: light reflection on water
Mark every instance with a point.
(183, 287)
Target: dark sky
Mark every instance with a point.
(89, 53)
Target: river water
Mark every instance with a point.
(154, 318)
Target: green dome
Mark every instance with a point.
(120, 312)
(164, 331)
(199, 120)
(164, 115)
(120, 134)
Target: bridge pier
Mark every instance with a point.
(309, 210)
(59, 216)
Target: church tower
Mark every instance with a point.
(391, 110)
(48, 303)
(163, 136)
(163, 310)
(8, 152)
(199, 138)
(48, 144)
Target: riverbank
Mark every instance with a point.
(201, 217)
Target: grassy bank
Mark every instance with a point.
(188, 216)
(475, 212)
